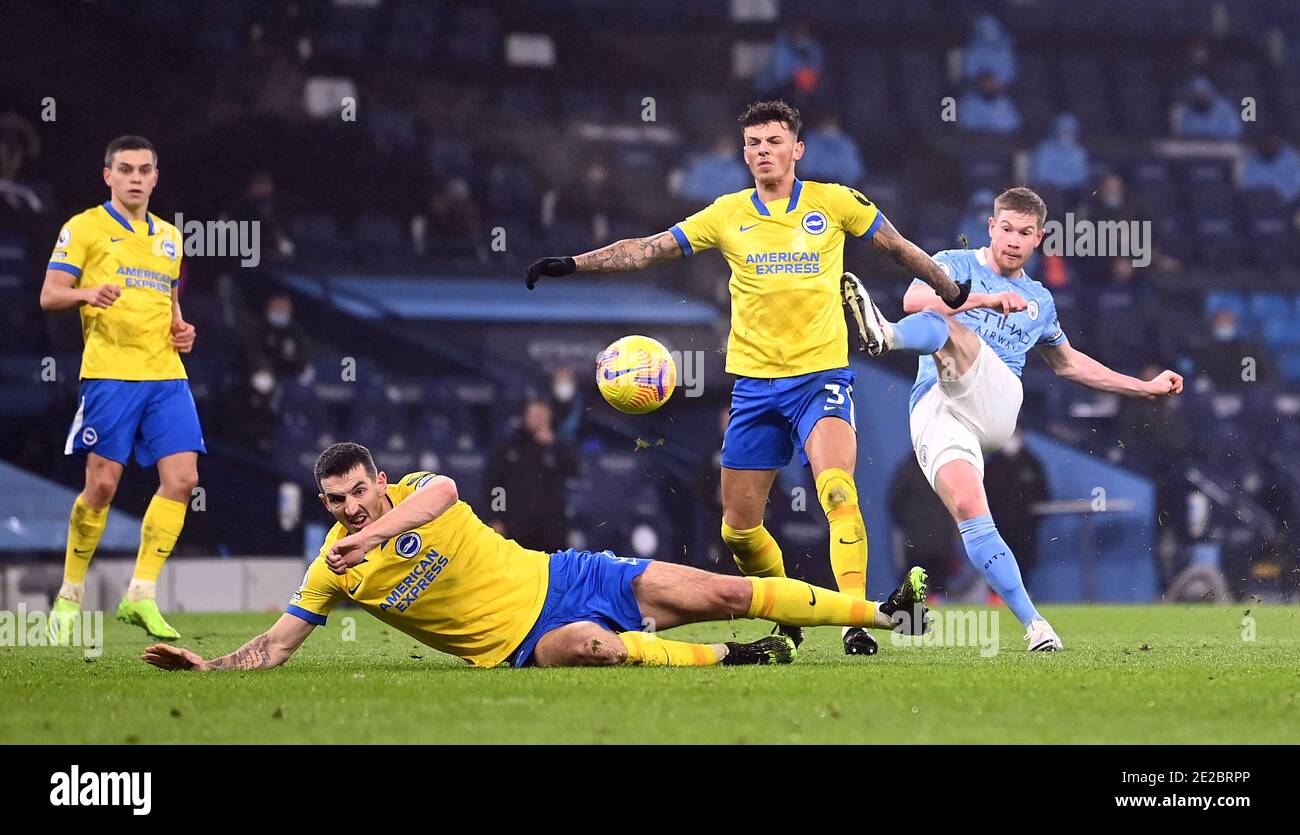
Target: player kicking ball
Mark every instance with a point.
(967, 394)
(417, 558)
(120, 266)
(784, 242)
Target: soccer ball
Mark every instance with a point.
(636, 375)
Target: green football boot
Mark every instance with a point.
(145, 614)
(63, 621)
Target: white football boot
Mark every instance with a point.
(875, 336)
(1042, 638)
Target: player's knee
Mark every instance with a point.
(101, 486)
(735, 521)
(968, 505)
(592, 650)
(731, 596)
(597, 651)
(179, 482)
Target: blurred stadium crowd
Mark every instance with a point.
(567, 124)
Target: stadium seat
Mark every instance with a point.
(349, 33)
(413, 33)
(1268, 224)
(476, 36)
(1141, 105)
(1034, 93)
(1289, 364)
(866, 88)
(925, 88)
(1088, 95)
(1151, 180)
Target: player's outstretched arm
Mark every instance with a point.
(1076, 366)
(619, 257)
(919, 298)
(912, 258)
(57, 292)
(420, 508)
(270, 649)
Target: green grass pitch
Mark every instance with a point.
(1129, 674)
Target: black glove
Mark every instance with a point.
(962, 295)
(551, 268)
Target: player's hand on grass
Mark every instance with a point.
(1007, 302)
(102, 296)
(183, 336)
(549, 267)
(168, 657)
(1164, 384)
(349, 551)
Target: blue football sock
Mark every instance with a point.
(921, 333)
(988, 552)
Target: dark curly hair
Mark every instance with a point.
(762, 112)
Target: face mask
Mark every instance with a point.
(263, 382)
(1225, 333)
(278, 319)
(564, 390)
(1112, 201)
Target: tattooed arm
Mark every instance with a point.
(629, 254)
(912, 258)
(619, 257)
(270, 649)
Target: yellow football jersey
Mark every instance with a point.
(131, 339)
(454, 584)
(786, 260)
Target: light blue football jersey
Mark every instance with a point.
(1010, 337)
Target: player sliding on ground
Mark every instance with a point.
(417, 558)
(784, 242)
(967, 394)
(120, 266)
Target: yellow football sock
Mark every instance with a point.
(839, 498)
(755, 551)
(85, 527)
(796, 603)
(650, 650)
(159, 530)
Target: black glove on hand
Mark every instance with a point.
(551, 268)
(962, 295)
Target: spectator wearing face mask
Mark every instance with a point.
(797, 65)
(990, 50)
(987, 108)
(277, 343)
(1114, 203)
(1224, 359)
(718, 172)
(1205, 114)
(531, 469)
(569, 403)
(1273, 165)
(250, 410)
(831, 155)
(1059, 160)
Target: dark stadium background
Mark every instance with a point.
(524, 124)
